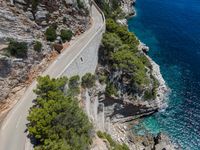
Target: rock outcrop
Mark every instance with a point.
(117, 118)
(127, 7)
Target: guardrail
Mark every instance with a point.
(101, 12)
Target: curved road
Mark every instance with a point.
(12, 132)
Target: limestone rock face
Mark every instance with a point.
(163, 142)
(20, 20)
(114, 118)
(127, 7)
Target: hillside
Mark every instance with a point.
(31, 35)
(95, 111)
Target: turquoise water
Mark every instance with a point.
(172, 31)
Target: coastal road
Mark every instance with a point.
(13, 135)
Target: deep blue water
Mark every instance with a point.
(172, 31)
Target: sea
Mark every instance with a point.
(172, 31)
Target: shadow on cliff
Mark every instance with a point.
(126, 109)
(5, 68)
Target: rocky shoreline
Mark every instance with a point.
(122, 131)
(162, 90)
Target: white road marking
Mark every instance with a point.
(80, 51)
(13, 122)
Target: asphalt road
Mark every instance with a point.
(13, 135)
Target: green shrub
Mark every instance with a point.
(34, 4)
(88, 80)
(66, 35)
(124, 55)
(114, 145)
(54, 25)
(47, 84)
(50, 34)
(73, 91)
(110, 8)
(17, 49)
(111, 41)
(56, 121)
(100, 134)
(111, 89)
(38, 46)
(74, 81)
(64, 19)
(102, 79)
(122, 31)
(148, 95)
(74, 86)
(80, 4)
(115, 4)
(111, 25)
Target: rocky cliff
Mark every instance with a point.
(26, 21)
(127, 7)
(122, 101)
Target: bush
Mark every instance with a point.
(74, 86)
(111, 89)
(38, 46)
(111, 41)
(56, 121)
(47, 84)
(66, 35)
(64, 20)
(115, 4)
(88, 80)
(113, 144)
(110, 8)
(148, 95)
(111, 25)
(34, 4)
(122, 31)
(80, 4)
(17, 49)
(74, 82)
(100, 134)
(124, 55)
(102, 79)
(50, 34)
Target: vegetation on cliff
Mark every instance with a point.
(56, 121)
(17, 49)
(51, 34)
(88, 80)
(128, 67)
(66, 35)
(120, 53)
(37, 46)
(111, 8)
(113, 145)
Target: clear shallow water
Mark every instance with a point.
(172, 31)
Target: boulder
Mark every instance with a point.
(41, 14)
(58, 47)
(29, 15)
(162, 142)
